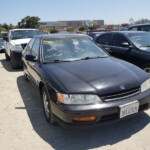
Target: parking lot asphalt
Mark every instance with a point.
(23, 126)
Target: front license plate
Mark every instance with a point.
(129, 109)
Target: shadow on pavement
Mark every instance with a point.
(60, 138)
(7, 65)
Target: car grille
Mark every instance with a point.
(23, 45)
(121, 95)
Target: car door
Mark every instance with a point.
(104, 41)
(26, 51)
(118, 50)
(33, 66)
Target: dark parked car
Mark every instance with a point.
(131, 46)
(140, 27)
(1, 45)
(95, 34)
(80, 84)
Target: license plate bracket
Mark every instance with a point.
(129, 109)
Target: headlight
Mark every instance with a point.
(145, 85)
(78, 99)
(17, 48)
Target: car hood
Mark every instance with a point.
(146, 49)
(95, 76)
(20, 41)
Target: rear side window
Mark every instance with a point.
(104, 39)
(134, 29)
(118, 40)
(145, 28)
(141, 28)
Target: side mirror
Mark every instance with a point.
(125, 45)
(5, 38)
(30, 57)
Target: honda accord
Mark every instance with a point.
(80, 84)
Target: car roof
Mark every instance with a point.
(125, 32)
(136, 25)
(61, 36)
(22, 29)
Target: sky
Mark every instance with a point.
(111, 11)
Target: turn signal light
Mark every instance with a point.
(60, 97)
(85, 119)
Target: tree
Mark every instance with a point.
(11, 26)
(70, 29)
(131, 20)
(142, 21)
(82, 28)
(6, 26)
(93, 26)
(2, 29)
(53, 31)
(29, 22)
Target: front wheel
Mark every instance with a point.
(14, 65)
(25, 75)
(146, 68)
(47, 106)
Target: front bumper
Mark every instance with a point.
(17, 57)
(105, 112)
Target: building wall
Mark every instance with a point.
(70, 23)
(52, 24)
(99, 22)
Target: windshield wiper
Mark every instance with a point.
(86, 58)
(57, 61)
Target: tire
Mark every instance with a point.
(14, 65)
(25, 75)
(146, 68)
(6, 56)
(47, 106)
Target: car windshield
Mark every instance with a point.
(71, 49)
(24, 34)
(141, 40)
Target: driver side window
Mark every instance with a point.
(118, 40)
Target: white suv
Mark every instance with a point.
(15, 42)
